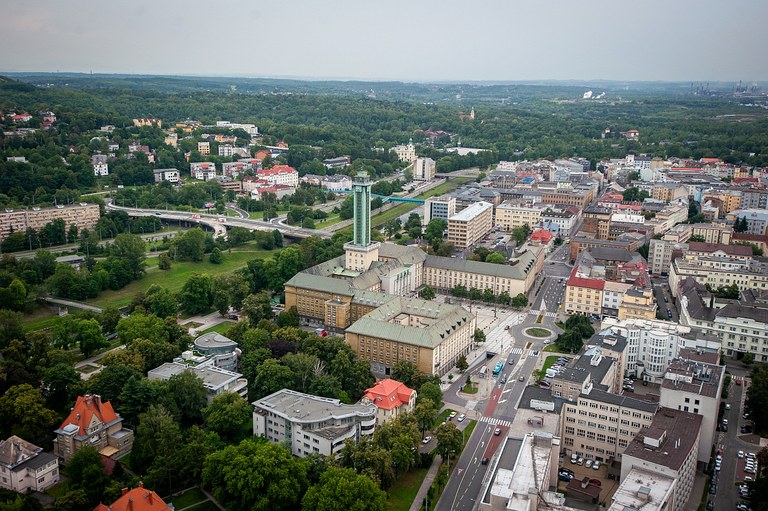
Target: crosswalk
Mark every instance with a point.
(517, 351)
(547, 314)
(496, 422)
(531, 354)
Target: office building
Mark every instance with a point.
(470, 225)
(442, 207)
(423, 169)
(215, 379)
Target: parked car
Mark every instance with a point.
(580, 461)
(564, 477)
(461, 418)
(522, 378)
(713, 489)
(566, 471)
(595, 482)
(596, 465)
(452, 415)
(426, 440)
(588, 464)
(710, 505)
(574, 458)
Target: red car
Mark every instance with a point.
(595, 482)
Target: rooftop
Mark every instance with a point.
(214, 340)
(471, 212)
(86, 408)
(643, 489)
(670, 439)
(308, 409)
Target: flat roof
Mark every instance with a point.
(306, 408)
(471, 211)
(675, 434)
(643, 489)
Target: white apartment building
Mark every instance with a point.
(337, 183)
(565, 220)
(279, 175)
(719, 271)
(100, 169)
(694, 383)
(510, 215)
(215, 379)
(660, 255)
(226, 150)
(311, 424)
(251, 129)
(423, 169)
(203, 170)
(170, 175)
(669, 446)
(439, 207)
(470, 225)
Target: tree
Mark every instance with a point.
(23, 413)
(131, 251)
(229, 290)
(161, 302)
(11, 327)
(189, 247)
(435, 229)
(89, 337)
(108, 319)
(153, 352)
(341, 489)
(87, 473)
(449, 442)
(257, 307)
(496, 258)
(255, 475)
(749, 358)
(141, 326)
(520, 300)
(271, 377)
(427, 293)
(110, 381)
(634, 194)
(520, 234)
(479, 335)
(197, 293)
(186, 391)
(154, 448)
(60, 382)
(424, 413)
(431, 392)
(215, 257)
(757, 398)
(461, 363)
(229, 415)
(164, 261)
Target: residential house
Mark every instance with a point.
(24, 467)
(136, 499)
(391, 398)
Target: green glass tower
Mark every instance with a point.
(361, 188)
(361, 252)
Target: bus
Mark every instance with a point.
(497, 369)
(483, 371)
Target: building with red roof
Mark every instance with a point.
(280, 175)
(542, 237)
(94, 423)
(391, 398)
(137, 499)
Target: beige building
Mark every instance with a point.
(668, 446)
(439, 207)
(510, 215)
(429, 334)
(638, 304)
(391, 398)
(423, 169)
(713, 233)
(204, 148)
(92, 422)
(141, 122)
(82, 215)
(24, 467)
(406, 153)
(719, 271)
(668, 192)
(470, 225)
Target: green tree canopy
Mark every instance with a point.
(341, 489)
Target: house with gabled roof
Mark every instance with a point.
(391, 398)
(92, 422)
(25, 467)
(136, 499)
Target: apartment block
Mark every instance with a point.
(82, 215)
(423, 169)
(470, 225)
(510, 215)
(713, 233)
(170, 175)
(204, 148)
(660, 255)
(311, 424)
(757, 219)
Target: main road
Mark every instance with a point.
(519, 352)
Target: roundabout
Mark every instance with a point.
(538, 332)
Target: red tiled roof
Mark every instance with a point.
(389, 394)
(137, 499)
(709, 160)
(542, 235)
(85, 408)
(277, 169)
(575, 281)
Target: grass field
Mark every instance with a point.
(40, 318)
(194, 496)
(219, 328)
(402, 493)
(548, 363)
(468, 430)
(553, 348)
(442, 416)
(332, 219)
(538, 332)
(179, 273)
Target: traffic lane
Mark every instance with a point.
(467, 475)
(730, 444)
(495, 440)
(493, 401)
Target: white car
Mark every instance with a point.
(740, 454)
(461, 418)
(426, 440)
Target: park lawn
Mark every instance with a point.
(442, 416)
(400, 496)
(332, 219)
(446, 187)
(193, 496)
(553, 349)
(548, 363)
(179, 273)
(538, 332)
(219, 328)
(40, 318)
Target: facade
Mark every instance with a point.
(583, 295)
(223, 350)
(470, 225)
(203, 170)
(578, 198)
(24, 467)
(510, 215)
(337, 183)
(430, 335)
(170, 175)
(82, 215)
(215, 379)
(137, 499)
(280, 175)
(565, 220)
(311, 424)
(93, 423)
(600, 425)
(757, 219)
(391, 398)
(668, 446)
(337, 163)
(660, 255)
(406, 153)
(141, 122)
(694, 383)
(423, 169)
(713, 233)
(100, 169)
(720, 270)
(439, 207)
(637, 303)
(204, 148)
(361, 252)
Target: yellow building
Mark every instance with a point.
(584, 296)
(638, 303)
(470, 225)
(204, 148)
(429, 334)
(510, 215)
(730, 199)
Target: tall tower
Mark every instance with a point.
(361, 252)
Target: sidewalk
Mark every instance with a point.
(425, 485)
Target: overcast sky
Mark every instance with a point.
(409, 40)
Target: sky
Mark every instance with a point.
(413, 41)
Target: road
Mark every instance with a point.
(499, 410)
(73, 304)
